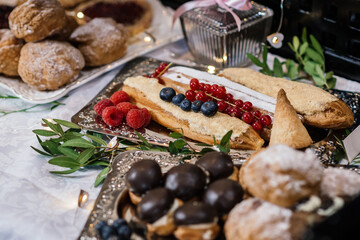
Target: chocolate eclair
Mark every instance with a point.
(223, 195)
(186, 181)
(156, 209)
(142, 176)
(196, 220)
(219, 165)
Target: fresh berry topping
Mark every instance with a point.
(235, 112)
(201, 96)
(107, 232)
(209, 108)
(167, 94)
(222, 105)
(100, 106)
(158, 71)
(228, 110)
(256, 113)
(178, 98)
(135, 118)
(265, 120)
(247, 117)
(220, 92)
(119, 96)
(185, 105)
(147, 116)
(125, 107)
(201, 86)
(190, 95)
(213, 89)
(257, 125)
(163, 65)
(122, 228)
(207, 88)
(196, 105)
(229, 98)
(194, 84)
(247, 106)
(112, 116)
(239, 103)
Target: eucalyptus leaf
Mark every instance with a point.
(304, 35)
(329, 75)
(51, 125)
(63, 161)
(264, 55)
(101, 176)
(85, 155)
(254, 60)
(41, 152)
(173, 149)
(66, 171)
(206, 150)
(43, 145)
(96, 139)
(316, 45)
(78, 142)
(278, 71)
(318, 80)
(316, 57)
(291, 47)
(319, 71)
(71, 135)
(309, 68)
(52, 146)
(69, 152)
(67, 124)
(222, 148)
(303, 48)
(175, 135)
(180, 143)
(45, 133)
(331, 83)
(291, 68)
(226, 138)
(142, 139)
(296, 43)
(99, 163)
(203, 145)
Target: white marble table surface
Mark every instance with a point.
(35, 204)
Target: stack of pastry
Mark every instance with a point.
(47, 49)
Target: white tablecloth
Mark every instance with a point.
(35, 204)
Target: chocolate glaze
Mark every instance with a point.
(194, 213)
(126, 13)
(155, 204)
(218, 164)
(185, 181)
(143, 176)
(4, 15)
(223, 195)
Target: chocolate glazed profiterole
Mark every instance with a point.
(142, 176)
(156, 208)
(196, 220)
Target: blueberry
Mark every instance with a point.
(177, 99)
(106, 231)
(196, 105)
(167, 94)
(119, 222)
(185, 105)
(209, 108)
(124, 232)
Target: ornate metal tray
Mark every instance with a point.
(157, 35)
(325, 144)
(113, 189)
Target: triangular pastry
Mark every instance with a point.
(287, 127)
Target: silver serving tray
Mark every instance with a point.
(159, 33)
(113, 190)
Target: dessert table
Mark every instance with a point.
(35, 204)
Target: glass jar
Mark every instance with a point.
(213, 38)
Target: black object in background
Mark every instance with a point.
(174, 3)
(335, 23)
(343, 225)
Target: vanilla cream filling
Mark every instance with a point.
(259, 100)
(164, 220)
(217, 125)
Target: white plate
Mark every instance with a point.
(160, 31)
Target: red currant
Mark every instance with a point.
(220, 92)
(235, 112)
(265, 120)
(158, 71)
(229, 98)
(207, 88)
(194, 84)
(239, 103)
(247, 106)
(256, 113)
(228, 110)
(247, 117)
(201, 86)
(257, 125)
(163, 65)
(190, 95)
(213, 89)
(201, 96)
(222, 106)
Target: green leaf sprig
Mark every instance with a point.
(310, 60)
(340, 153)
(75, 148)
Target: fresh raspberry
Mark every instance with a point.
(119, 96)
(125, 107)
(100, 106)
(112, 116)
(146, 115)
(135, 118)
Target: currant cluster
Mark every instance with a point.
(227, 104)
(159, 70)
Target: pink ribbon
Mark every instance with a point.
(243, 5)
